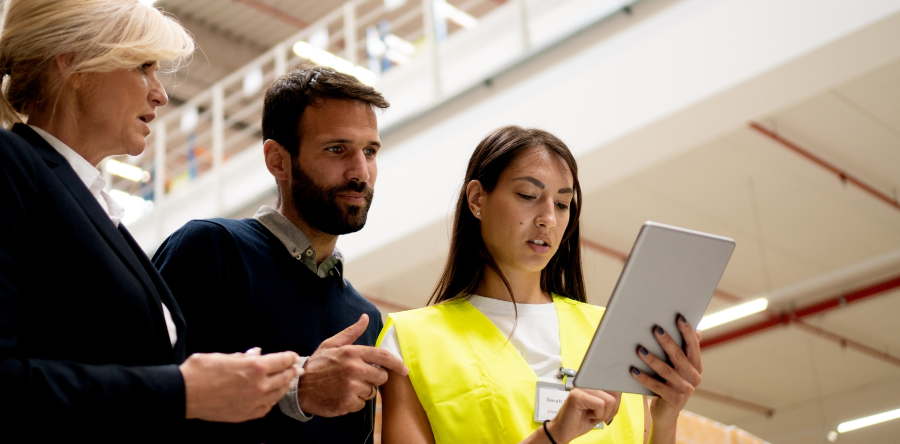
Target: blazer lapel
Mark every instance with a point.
(163, 293)
(117, 241)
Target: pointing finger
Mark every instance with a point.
(348, 335)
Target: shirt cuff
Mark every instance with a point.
(290, 404)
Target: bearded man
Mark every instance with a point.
(275, 281)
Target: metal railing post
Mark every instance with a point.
(280, 60)
(431, 43)
(350, 50)
(523, 21)
(218, 142)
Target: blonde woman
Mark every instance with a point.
(91, 340)
(510, 310)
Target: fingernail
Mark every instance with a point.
(660, 331)
(635, 371)
(682, 319)
(609, 423)
(644, 351)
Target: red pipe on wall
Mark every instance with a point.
(843, 175)
(787, 318)
(275, 13)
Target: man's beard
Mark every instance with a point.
(317, 205)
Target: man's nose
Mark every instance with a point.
(357, 167)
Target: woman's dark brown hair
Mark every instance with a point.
(469, 259)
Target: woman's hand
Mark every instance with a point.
(680, 379)
(581, 411)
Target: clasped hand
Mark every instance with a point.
(236, 387)
(340, 377)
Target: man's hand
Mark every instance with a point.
(236, 387)
(341, 377)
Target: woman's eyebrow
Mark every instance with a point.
(536, 182)
(541, 185)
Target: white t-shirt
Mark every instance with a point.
(536, 336)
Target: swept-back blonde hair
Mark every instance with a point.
(98, 35)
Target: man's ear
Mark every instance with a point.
(278, 160)
(475, 194)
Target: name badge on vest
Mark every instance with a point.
(548, 399)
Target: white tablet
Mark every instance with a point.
(670, 271)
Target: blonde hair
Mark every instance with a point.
(100, 36)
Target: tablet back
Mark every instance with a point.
(670, 270)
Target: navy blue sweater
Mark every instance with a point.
(238, 287)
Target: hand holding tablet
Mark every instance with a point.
(646, 333)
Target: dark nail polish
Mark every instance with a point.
(660, 331)
(635, 371)
(610, 422)
(682, 319)
(644, 351)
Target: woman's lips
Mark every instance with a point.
(540, 249)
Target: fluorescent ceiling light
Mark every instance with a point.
(190, 117)
(391, 5)
(374, 46)
(325, 58)
(127, 171)
(733, 313)
(869, 420)
(253, 82)
(397, 57)
(319, 39)
(457, 15)
(397, 43)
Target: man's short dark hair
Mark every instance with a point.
(289, 95)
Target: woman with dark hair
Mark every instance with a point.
(509, 311)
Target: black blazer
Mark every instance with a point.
(84, 349)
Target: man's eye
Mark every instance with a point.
(334, 149)
(371, 152)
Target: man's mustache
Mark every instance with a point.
(356, 187)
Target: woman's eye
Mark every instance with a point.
(562, 206)
(146, 66)
(526, 196)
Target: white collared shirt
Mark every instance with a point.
(88, 174)
(95, 183)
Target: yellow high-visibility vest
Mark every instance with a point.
(476, 387)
